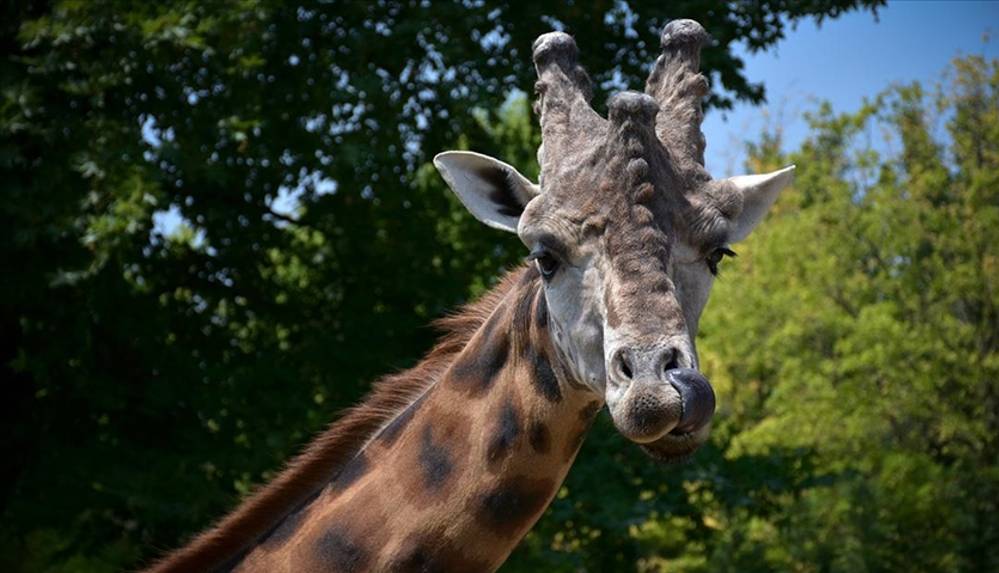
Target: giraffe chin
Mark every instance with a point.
(677, 447)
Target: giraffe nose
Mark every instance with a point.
(627, 364)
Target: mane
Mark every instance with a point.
(325, 456)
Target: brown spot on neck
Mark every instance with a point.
(543, 378)
(353, 471)
(433, 552)
(436, 461)
(512, 506)
(506, 431)
(337, 550)
(540, 438)
(478, 365)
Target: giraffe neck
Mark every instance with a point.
(455, 480)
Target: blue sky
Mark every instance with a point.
(847, 59)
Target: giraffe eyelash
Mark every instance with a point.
(716, 257)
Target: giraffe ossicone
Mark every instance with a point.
(445, 467)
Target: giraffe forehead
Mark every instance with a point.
(601, 184)
(610, 226)
(643, 219)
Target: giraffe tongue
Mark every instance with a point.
(697, 398)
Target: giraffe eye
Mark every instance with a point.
(716, 257)
(547, 263)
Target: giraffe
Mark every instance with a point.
(446, 466)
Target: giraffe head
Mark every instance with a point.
(627, 230)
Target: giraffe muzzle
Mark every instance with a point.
(667, 409)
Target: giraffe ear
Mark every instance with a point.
(758, 193)
(494, 192)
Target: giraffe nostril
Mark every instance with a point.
(671, 360)
(623, 365)
(626, 370)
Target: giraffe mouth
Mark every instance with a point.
(698, 399)
(677, 446)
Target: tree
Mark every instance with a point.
(150, 377)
